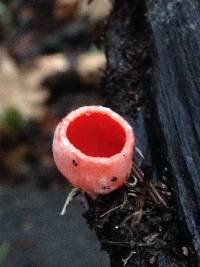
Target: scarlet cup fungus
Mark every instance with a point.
(93, 148)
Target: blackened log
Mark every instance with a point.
(128, 84)
(176, 101)
(127, 77)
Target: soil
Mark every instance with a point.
(131, 220)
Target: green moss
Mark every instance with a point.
(4, 251)
(11, 118)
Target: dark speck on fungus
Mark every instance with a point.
(114, 179)
(74, 163)
(105, 188)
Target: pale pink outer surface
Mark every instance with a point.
(93, 174)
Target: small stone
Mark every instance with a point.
(185, 251)
(152, 260)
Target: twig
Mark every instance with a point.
(149, 239)
(157, 195)
(69, 198)
(139, 157)
(116, 207)
(153, 192)
(138, 173)
(139, 152)
(130, 243)
(131, 216)
(137, 216)
(152, 197)
(125, 261)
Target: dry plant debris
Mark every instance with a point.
(136, 216)
(17, 90)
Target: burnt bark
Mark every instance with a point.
(176, 101)
(152, 78)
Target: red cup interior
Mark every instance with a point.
(96, 134)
